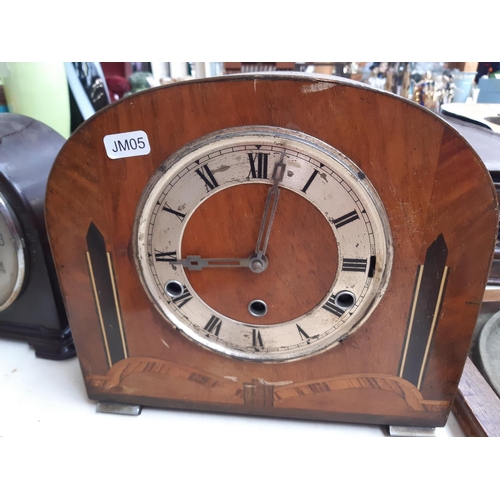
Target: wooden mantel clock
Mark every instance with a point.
(272, 244)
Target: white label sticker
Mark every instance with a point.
(134, 143)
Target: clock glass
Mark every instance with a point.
(262, 243)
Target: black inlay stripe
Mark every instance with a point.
(424, 312)
(105, 296)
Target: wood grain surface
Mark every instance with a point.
(296, 279)
(429, 179)
(476, 406)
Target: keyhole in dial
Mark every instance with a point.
(345, 299)
(257, 308)
(173, 289)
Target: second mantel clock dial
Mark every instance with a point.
(262, 243)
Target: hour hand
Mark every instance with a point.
(196, 263)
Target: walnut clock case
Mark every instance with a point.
(272, 244)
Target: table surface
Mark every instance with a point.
(485, 114)
(54, 445)
(40, 397)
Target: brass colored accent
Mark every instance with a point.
(115, 296)
(94, 288)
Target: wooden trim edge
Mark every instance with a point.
(476, 406)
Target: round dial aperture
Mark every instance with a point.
(262, 243)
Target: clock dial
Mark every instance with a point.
(262, 243)
(12, 261)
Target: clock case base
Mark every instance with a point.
(135, 410)
(401, 368)
(48, 344)
(121, 404)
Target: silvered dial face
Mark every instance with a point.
(263, 244)
(12, 263)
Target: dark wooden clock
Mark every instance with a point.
(272, 244)
(31, 305)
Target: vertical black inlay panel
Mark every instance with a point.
(104, 287)
(427, 294)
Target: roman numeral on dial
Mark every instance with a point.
(308, 183)
(345, 219)
(257, 339)
(330, 306)
(355, 265)
(258, 170)
(174, 212)
(302, 333)
(209, 178)
(165, 256)
(183, 299)
(213, 325)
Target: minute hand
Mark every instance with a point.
(270, 211)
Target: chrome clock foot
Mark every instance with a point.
(402, 431)
(119, 408)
